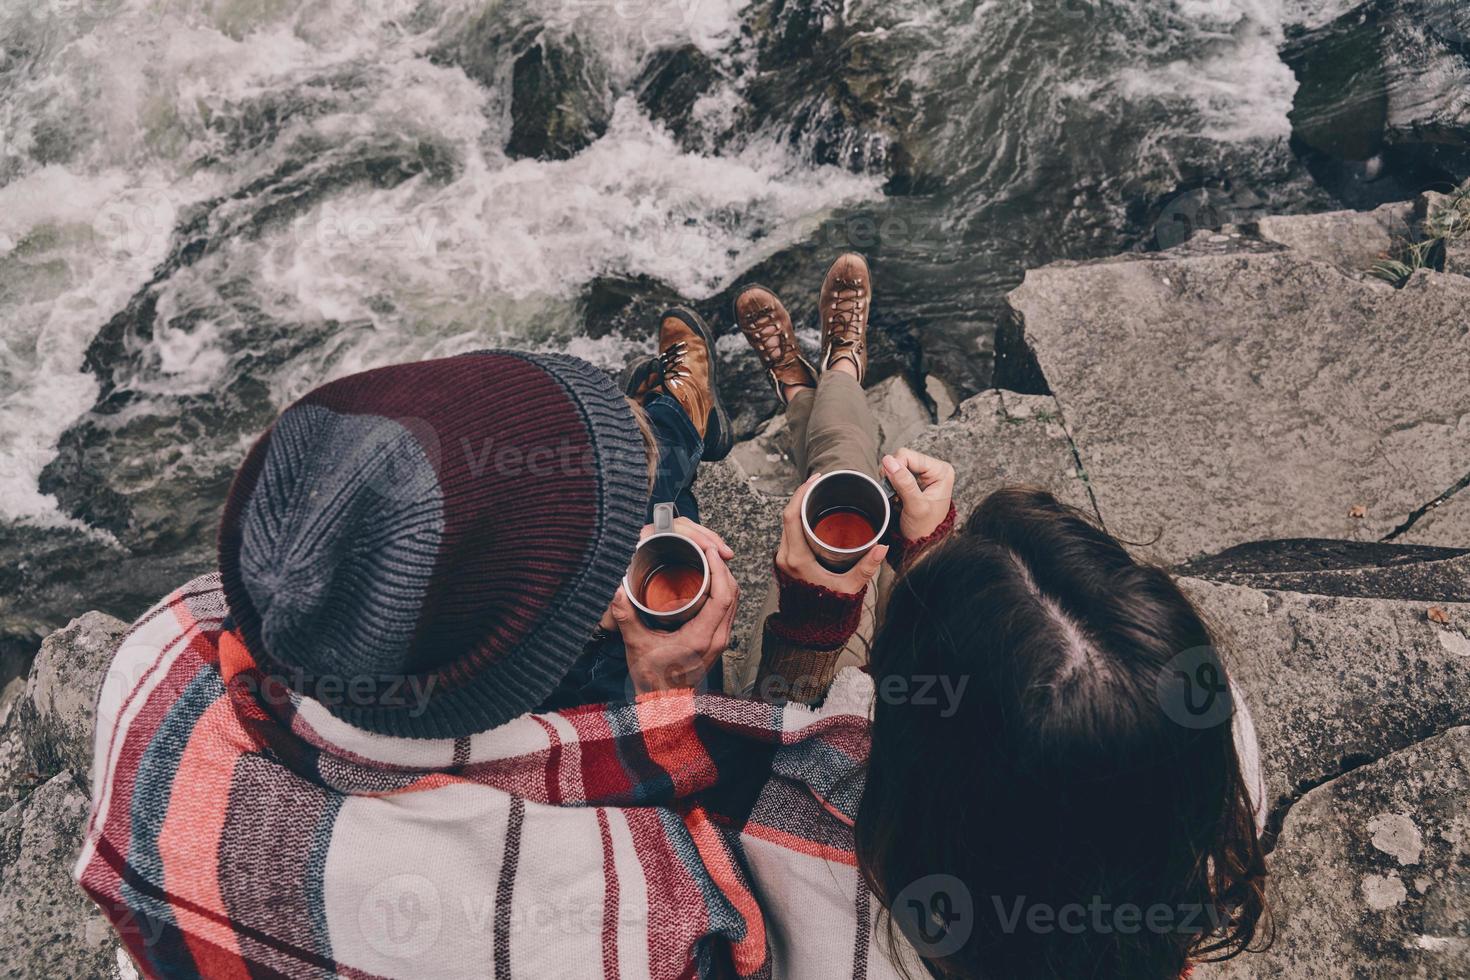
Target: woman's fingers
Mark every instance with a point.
(902, 480)
(870, 565)
(931, 473)
(791, 516)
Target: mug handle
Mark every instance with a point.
(663, 518)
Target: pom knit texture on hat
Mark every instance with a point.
(425, 548)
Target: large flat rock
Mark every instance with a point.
(1372, 873)
(1334, 682)
(1221, 398)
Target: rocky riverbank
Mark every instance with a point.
(1254, 408)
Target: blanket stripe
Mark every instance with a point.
(240, 830)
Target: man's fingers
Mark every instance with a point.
(703, 536)
(625, 615)
(723, 589)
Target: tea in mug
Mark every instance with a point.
(844, 527)
(670, 586)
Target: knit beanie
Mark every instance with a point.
(426, 548)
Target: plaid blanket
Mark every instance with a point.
(239, 830)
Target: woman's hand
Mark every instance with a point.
(794, 556)
(659, 660)
(924, 486)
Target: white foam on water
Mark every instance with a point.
(80, 245)
(501, 253)
(1235, 79)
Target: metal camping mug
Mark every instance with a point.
(668, 580)
(844, 514)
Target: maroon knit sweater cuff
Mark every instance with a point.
(813, 616)
(902, 553)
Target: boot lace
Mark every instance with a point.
(672, 369)
(845, 319)
(771, 340)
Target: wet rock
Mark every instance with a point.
(1221, 398)
(1380, 111)
(672, 83)
(626, 307)
(56, 715)
(1375, 867)
(1341, 568)
(832, 83)
(48, 927)
(560, 100)
(1202, 205)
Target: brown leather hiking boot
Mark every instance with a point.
(847, 294)
(767, 326)
(686, 370)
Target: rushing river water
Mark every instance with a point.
(209, 206)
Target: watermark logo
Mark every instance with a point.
(1210, 205)
(1193, 690)
(400, 916)
(936, 914)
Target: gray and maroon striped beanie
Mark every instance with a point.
(426, 548)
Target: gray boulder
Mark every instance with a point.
(1371, 873)
(48, 927)
(1380, 105)
(1350, 240)
(1335, 682)
(1218, 398)
(56, 715)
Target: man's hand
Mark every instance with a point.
(794, 556)
(659, 660)
(924, 486)
(698, 533)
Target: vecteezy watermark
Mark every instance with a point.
(280, 688)
(936, 914)
(1209, 204)
(400, 916)
(1104, 918)
(1193, 689)
(940, 691)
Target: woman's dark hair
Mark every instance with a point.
(1094, 832)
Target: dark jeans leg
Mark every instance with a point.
(679, 449)
(600, 675)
